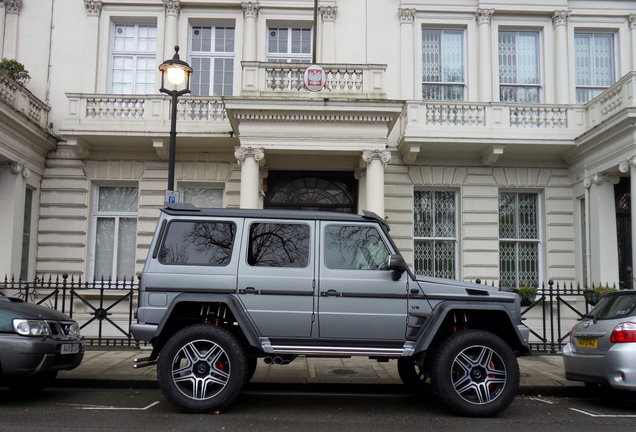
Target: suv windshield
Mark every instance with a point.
(614, 307)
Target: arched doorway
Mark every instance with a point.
(312, 191)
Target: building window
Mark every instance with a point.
(203, 197)
(435, 233)
(518, 239)
(115, 221)
(594, 63)
(519, 77)
(212, 60)
(289, 44)
(26, 234)
(443, 65)
(133, 59)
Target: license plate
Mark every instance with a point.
(69, 348)
(587, 343)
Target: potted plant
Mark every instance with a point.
(527, 294)
(593, 295)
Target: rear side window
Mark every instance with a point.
(615, 307)
(198, 243)
(278, 245)
(355, 248)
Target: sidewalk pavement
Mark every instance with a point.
(113, 367)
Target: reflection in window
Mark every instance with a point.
(198, 243)
(278, 245)
(355, 248)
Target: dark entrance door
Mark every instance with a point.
(623, 196)
(314, 191)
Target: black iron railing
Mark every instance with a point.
(92, 304)
(107, 307)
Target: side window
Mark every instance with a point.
(355, 248)
(198, 243)
(278, 245)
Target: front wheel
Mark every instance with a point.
(475, 373)
(201, 368)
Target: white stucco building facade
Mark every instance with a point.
(498, 138)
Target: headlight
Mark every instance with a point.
(74, 330)
(31, 327)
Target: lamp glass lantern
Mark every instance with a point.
(175, 71)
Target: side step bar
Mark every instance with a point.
(143, 362)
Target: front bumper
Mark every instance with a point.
(607, 367)
(25, 356)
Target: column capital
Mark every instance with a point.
(560, 17)
(370, 155)
(407, 16)
(250, 9)
(627, 164)
(600, 178)
(242, 153)
(93, 7)
(13, 6)
(16, 168)
(632, 21)
(328, 13)
(172, 7)
(484, 16)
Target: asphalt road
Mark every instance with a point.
(304, 408)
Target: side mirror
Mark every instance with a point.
(398, 265)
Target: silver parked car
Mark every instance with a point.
(602, 348)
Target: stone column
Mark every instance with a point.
(375, 161)
(172, 9)
(603, 237)
(2, 19)
(561, 82)
(12, 192)
(250, 159)
(632, 27)
(91, 42)
(360, 175)
(250, 13)
(328, 14)
(407, 51)
(483, 17)
(12, 11)
(630, 165)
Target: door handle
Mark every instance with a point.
(249, 290)
(415, 291)
(330, 293)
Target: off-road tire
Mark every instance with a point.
(475, 373)
(202, 368)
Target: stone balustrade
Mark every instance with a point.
(286, 79)
(20, 99)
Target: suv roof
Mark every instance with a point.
(191, 210)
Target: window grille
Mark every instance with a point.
(594, 64)
(435, 233)
(519, 76)
(443, 65)
(518, 239)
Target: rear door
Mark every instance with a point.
(277, 274)
(357, 297)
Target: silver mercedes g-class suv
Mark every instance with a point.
(222, 288)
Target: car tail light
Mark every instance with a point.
(572, 332)
(624, 332)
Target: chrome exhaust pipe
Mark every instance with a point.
(268, 360)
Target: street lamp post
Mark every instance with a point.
(176, 71)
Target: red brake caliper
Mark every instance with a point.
(492, 366)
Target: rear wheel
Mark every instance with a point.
(202, 368)
(413, 375)
(475, 373)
